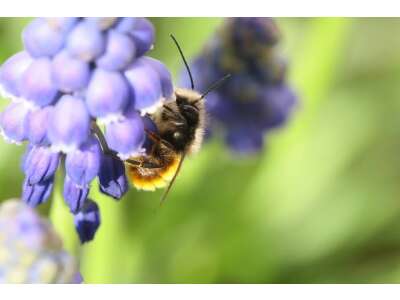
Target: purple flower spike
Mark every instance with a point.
(62, 24)
(75, 73)
(257, 98)
(112, 179)
(83, 165)
(127, 136)
(40, 165)
(145, 86)
(163, 73)
(74, 195)
(40, 39)
(120, 52)
(14, 122)
(86, 41)
(87, 221)
(70, 74)
(107, 95)
(143, 34)
(37, 84)
(69, 124)
(102, 23)
(38, 193)
(32, 251)
(11, 71)
(37, 125)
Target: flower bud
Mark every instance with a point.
(11, 72)
(127, 136)
(70, 74)
(40, 164)
(86, 41)
(120, 52)
(112, 179)
(14, 122)
(35, 194)
(107, 95)
(69, 124)
(83, 165)
(41, 39)
(36, 84)
(74, 195)
(87, 221)
(38, 124)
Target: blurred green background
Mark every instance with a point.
(320, 204)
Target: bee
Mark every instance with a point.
(180, 124)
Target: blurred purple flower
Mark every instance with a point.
(256, 99)
(32, 251)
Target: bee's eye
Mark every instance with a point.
(177, 135)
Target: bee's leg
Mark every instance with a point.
(145, 163)
(157, 139)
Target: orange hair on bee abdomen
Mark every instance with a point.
(151, 179)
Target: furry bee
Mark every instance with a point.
(180, 124)
(180, 127)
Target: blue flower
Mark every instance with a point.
(257, 98)
(74, 76)
(30, 249)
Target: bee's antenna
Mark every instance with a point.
(184, 60)
(214, 86)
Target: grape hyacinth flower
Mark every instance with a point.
(30, 249)
(256, 99)
(79, 92)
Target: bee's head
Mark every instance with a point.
(189, 105)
